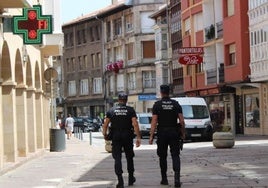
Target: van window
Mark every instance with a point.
(145, 120)
(195, 112)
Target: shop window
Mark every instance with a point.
(252, 110)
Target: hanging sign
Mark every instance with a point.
(191, 55)
(32, 25)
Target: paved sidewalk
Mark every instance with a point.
(85, 166)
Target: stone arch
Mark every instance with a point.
(18, 68)
(8, 99)
(31, 111)
(21, 107)
(37, 76)
(29, 78)
(38, 107)
(6, 71)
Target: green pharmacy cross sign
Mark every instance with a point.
(32, 25)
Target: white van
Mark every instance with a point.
(144, 120)
(196, 117)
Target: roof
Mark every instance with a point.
(162, 10)
(101, 13)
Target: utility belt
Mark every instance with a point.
(168, 128)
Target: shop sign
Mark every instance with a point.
(32, 25)
(146, 97)
(191, 55)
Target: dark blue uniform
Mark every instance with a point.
(121, 124)
(168, 133)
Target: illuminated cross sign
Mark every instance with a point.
(32, 25)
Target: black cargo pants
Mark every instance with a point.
(168, 137)
(122, 139)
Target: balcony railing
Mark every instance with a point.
(16, 3)
(219, 29)
(210, 33)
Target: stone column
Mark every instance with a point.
(39, 119)
(31, 119)
(9, 121)
(46, 120)
(1, 129)
(21, 114)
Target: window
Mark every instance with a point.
(120, 82)
(93, 60)
(84, 36)
(132, 81)
(84, 87)
(98, 60)
(97, 85)
(80, 62)
(108, 30)
(199, 68)
(130, 51)
(91, 35)
(165, 75)
(148, 49)
(71, 35)
(187, 26)
(230, 7)
(146, 22)
(73, 65)
(198, 22)
(112, 84)
(129, 23)
(85, 62)
(97, 32)
(117, 27)
(232, 58)
(79, 38)
(72, 88)
(68, 65)
(148, 78)
(118, 53)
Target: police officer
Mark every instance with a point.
(123, 120)
(165, 115)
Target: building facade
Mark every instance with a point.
(129, 53)
(83, 67)
(24, 104)
(256, 94)
(175, 38)
(208, 24)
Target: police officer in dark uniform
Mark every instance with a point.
(123, 121)
(166, 112)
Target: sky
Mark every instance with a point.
(71, 9)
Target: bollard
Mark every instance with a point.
(90, 138)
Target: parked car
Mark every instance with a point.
(144, 120)
(94, 124)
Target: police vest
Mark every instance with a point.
(121, 117)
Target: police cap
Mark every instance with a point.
(122, 96)
(164, 89)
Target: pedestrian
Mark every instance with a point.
(124, 122)
(166, 113)
(69, 125)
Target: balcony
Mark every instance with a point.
(209, 33)
(16, 3)
(259, 71)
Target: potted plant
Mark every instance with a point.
(223, 138)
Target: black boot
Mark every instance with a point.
(131, 179)
(164, 180)
(120, 181)
(177, 179)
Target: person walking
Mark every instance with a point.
(124, 122)
(166, 113)
(69, 124)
